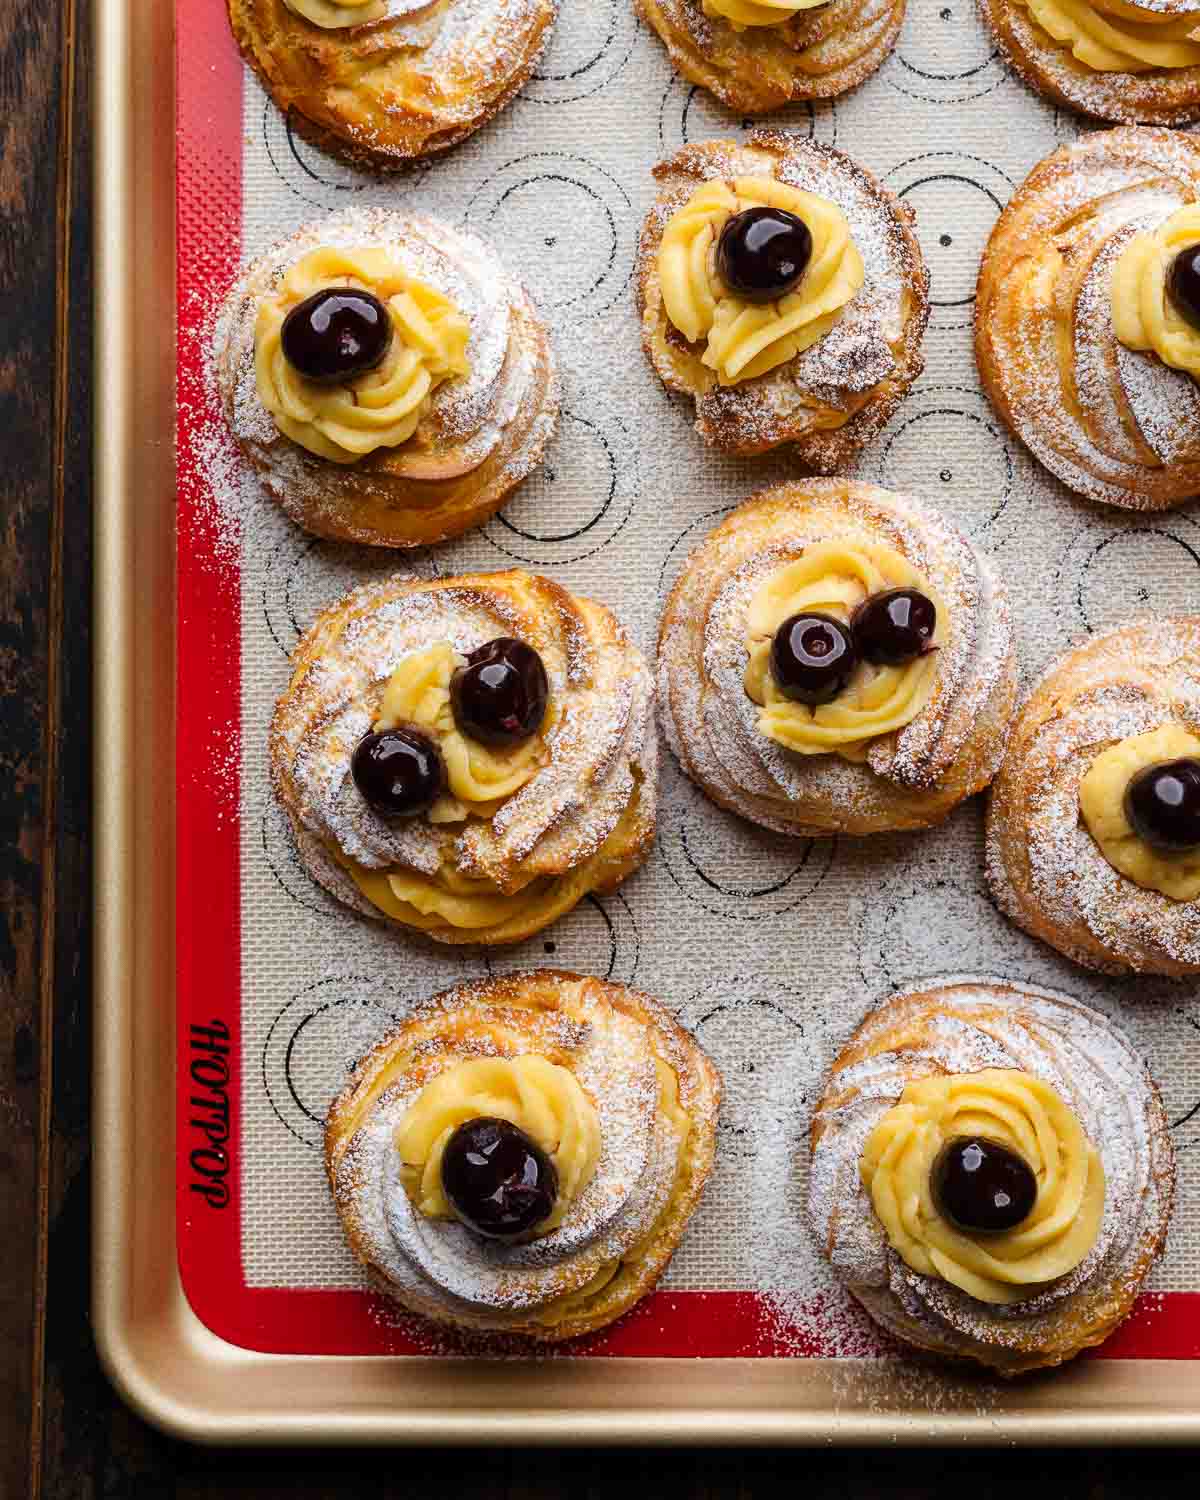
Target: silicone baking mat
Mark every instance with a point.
(770, 948)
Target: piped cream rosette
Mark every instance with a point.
(521, 835)
(540, 1097)
(834, 578)
(1052, 1079)
(1143, 315)
(606, 1082)
(378, 409)
(1102, 805)
(907, 744)
(431, 442)
(1057, 298)
(1115, 60)
(1062, 859)
(1016, 1110)
(822, 368)
(744, 339)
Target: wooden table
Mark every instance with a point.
(62, 1432)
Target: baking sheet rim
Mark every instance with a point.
(164, 1362)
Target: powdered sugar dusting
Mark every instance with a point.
(961, 1026)
(703, 657)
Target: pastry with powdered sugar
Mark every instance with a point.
(837, 658)
(522, 1155)
(1087, 316)
(1093, 841)
(1116, 60)
(389, 381)
(385, 82)
(756, 55)
(992, 1172)
(782, 289)
(468, 757)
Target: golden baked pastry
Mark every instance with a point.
(1113, 59)
(511, 835)
(896, 745)
(1064, 352)
(825, 364)
(918, 1205)
(619, 1098)
(756, 55)
(1064, 861)
(381, 82)
(424, 445)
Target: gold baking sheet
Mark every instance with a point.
(162, 1359)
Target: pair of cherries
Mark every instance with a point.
(498, 698)
(813, 655)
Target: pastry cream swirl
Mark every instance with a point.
(479, 777)
(1143, 317)
(332, 15)
(1102, 803)
(540, 1097)
(834, 578)
(745, 13)
(381, 408)
(747, 339)
(1018, 1111)
(1114, 36)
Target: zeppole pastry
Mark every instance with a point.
(782, 288)
(385, 376)
(1087, 318)
(1112, 59)
(382, 82)
(835, 658)
(468, 757)
(756, 55)
(523, 1154)
(1093, 840)
(992, 1172)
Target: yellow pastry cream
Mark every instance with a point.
(540, 1097)
(380, 408)
(1017, 1111)
(1102, 803)
(332, 15)
(1143, 316)
(742, 14)
(833, 578)
(1113, 36)
(745, 339)
(480, 779)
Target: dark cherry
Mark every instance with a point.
(812, 657)
(500, 696)
(400, 772)
(499, 1182)
(1183, 284)
(894, 627)
(336, 334)
(981, 1186)
(1162, 804)
(763, 253)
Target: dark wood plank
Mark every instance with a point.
(35, 151)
